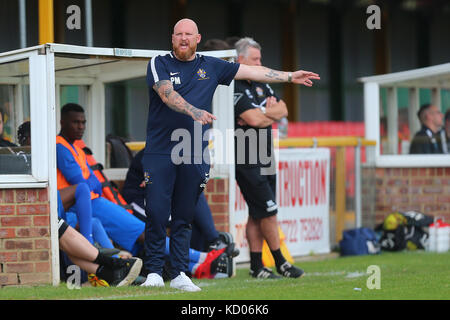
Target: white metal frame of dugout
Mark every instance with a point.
(53, 65)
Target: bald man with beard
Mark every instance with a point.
(181, 87)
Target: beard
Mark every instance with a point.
(186, 54)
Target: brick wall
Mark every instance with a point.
(217, 195)
(422, 189)
(25, 253)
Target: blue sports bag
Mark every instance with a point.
(359, 241)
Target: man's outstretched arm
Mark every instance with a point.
(267, 75)
(176, 102)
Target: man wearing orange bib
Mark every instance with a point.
(72, 168)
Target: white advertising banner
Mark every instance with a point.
(303, 197)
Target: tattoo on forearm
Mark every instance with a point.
(174, 101)
(159, 84)
(197, 113)
(271, 74)
(167, 92)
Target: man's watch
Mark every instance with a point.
(289, 76)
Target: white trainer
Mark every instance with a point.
(153, 280)
(183, 282)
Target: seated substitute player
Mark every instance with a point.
(256, 107)
(72, 168)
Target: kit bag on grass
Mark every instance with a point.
(417, 235)
(359, 241)
(404, 230)
(393, 232)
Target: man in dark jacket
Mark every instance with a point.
(428, 139)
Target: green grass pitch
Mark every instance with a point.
(403, 276)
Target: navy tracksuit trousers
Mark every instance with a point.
(171, 190)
